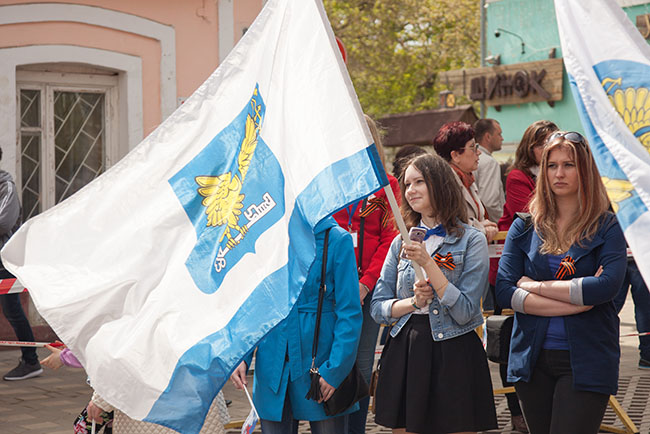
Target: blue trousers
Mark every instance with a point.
(289, 425)
(365, 362)
(641, 298)
(14, 313)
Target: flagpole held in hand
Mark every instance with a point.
(402, 229)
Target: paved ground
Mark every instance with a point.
(50, 403)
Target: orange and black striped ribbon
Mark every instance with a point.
(567, 268)
(444, 261)
(373, 204)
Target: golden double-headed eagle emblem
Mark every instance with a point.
(223, 200)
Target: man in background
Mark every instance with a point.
(487, 133)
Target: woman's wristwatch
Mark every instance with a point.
(414, 304)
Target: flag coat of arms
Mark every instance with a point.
(608, 64)
(163, 273)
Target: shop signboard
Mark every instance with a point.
(509, 84)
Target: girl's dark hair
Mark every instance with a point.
(452, 136)
(445, 194)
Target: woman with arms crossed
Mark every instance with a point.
(560, 271)
(434, 376)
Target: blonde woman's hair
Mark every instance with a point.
(592, 200)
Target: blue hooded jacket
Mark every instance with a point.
(284, 357)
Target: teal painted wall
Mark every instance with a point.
(534, 21)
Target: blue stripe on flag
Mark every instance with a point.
(350, 175)
(204, 368)
(376, 164)
(631, 208)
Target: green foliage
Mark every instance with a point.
(397, 47)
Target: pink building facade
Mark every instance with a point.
(83, 82)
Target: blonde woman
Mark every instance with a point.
(560, 269)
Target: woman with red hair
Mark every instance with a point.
(455, 144)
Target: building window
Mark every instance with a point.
(30, 150)
(78, 140)
(66, 136)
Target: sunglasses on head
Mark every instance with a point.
(571, 136)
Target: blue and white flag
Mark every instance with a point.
(608, 64)
(163, 273)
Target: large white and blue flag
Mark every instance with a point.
(608, 63)
(163, 273)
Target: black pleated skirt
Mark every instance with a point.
(433, 387)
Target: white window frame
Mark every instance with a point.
(48, 83)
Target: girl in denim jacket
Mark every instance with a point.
(434, 376)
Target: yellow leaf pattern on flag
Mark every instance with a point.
(634, 107)
(617, 190)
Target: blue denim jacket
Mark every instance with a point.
(459, 310)
(593, 336)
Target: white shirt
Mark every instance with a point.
(490, 187)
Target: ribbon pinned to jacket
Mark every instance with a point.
(373, 204)
(566, 269)
(444, 261)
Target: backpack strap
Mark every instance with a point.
(321, 296)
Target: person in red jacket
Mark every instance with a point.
(520, 187)
(370, 247)
(520, 183)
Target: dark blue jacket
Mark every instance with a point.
(593, 335)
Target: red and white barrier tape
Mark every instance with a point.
(11, 286)
(29, 344)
